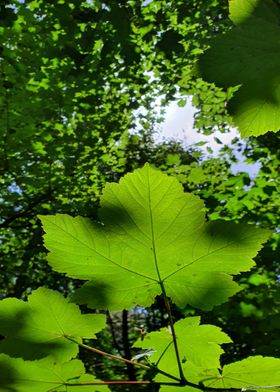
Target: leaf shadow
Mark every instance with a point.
(223, 231)
(238, 55)
(94, 294)
(17, 343)
(7, 377)
(116, 216)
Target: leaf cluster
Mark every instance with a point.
(139, 249)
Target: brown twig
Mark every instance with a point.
(115, 357)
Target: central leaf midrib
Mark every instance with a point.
(152, 231)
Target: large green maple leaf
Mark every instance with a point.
(152, 238)
(40, 327)
(17, 375)
(199, 344)
(249, 55)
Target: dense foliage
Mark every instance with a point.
(139, 249)
(76, 78)
(80, 81)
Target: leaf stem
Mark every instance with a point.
(116, 357)
(166, 300)
(179, 383)
(168, 309)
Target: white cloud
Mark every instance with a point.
(179, 124)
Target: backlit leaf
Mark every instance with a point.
(17, 375)
(193, 374)
(153, 236)
(39, 328)
(199, 344)
(249, 55)
(250, 372)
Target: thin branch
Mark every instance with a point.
(31, 205)
(168, 309)
(126, 346)
(115, 357)
(179, 383)
(113, 334)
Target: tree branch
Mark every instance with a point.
(31, 205)
(126, 346)
(115, 357)
(113, 334)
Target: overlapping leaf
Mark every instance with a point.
(17, 375)
(250, 373)
(40, 327)
(199, 344)
(193, 374)
(152, 236)
(249, 55)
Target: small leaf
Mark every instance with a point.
(197, 175)
(182, 103)
(145, 354)
(199, 344)
(39, 328)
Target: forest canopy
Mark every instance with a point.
(80, 85)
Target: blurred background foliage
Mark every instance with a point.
(80, 84)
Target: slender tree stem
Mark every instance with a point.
(126, 346)
(113, 334)
(115, 357)
(168, 309)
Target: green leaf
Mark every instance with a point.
(17, 375)
(199, 344)
(249, 56)
(168, 388)
(250, 373)
(197, 175)
(182, 103)
(241, 10)
(39, 328)
(153, 236)
(87, 388)
(193, 374)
